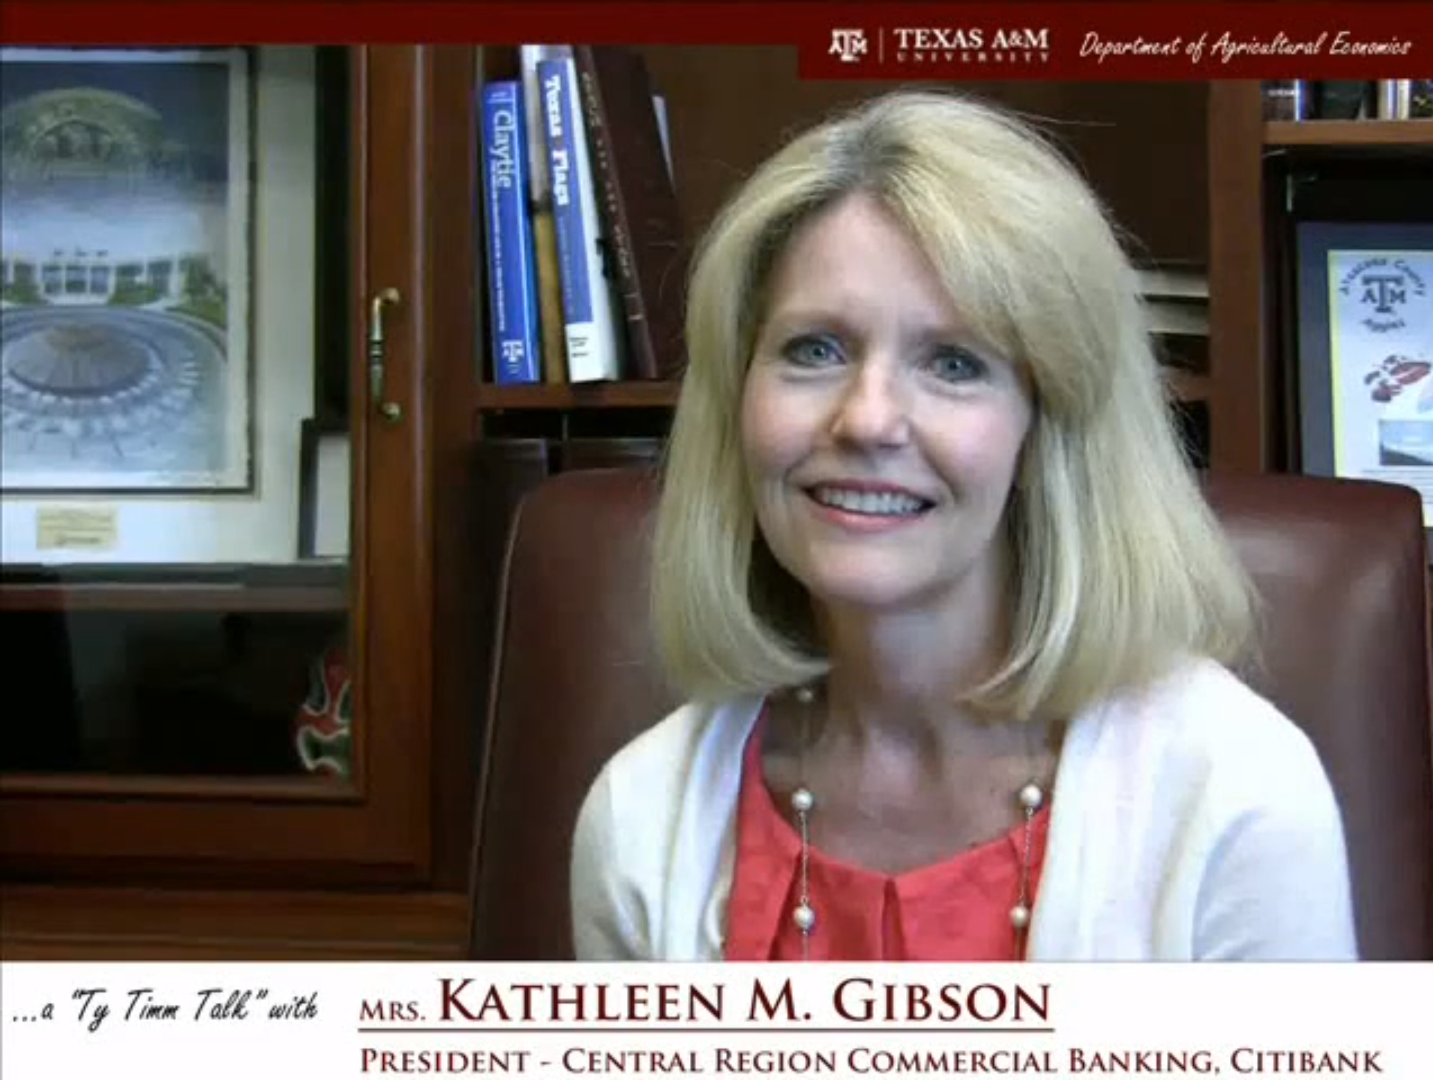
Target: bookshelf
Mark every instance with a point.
(630, 394)
(1250, 158)
(1398, 136)
(1191, 145)
(730, 107)
(1253, 394)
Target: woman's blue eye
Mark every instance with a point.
(957, 365)
(812, 351)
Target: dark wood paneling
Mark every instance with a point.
(455, 299)
(393, 496)
(1239, 395)
(113, 924)
(1141, 145)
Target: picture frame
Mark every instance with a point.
(325, 483)
(158, 527)
(332, 240)
(126, 250)
(1364, 330)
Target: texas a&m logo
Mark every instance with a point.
(849, 45)
(1383, 286)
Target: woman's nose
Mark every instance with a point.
(873, 409)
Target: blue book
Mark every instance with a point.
(589, 311)
(512, 262)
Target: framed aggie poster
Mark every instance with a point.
(1365, 316)
(125, 270)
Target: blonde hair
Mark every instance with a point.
(1121, 569)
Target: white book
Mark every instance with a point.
(539, 181)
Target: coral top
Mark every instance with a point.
(956, 910)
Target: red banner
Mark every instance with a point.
(1126, 41)
(909, 41)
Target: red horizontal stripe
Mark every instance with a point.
(1075, 34)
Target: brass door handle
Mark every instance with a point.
(389, 410)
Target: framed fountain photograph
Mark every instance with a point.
(125, 270)
(1365, 352)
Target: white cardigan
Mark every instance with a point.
(1190, 821)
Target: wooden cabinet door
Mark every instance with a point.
(218, 630)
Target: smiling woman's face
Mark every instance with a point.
(881, 442)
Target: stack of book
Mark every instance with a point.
(585, 254)
(1377, 99)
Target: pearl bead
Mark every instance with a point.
(1020, 916)
(802, 801)
(1031, 796)
(805, 695)
(804, 916)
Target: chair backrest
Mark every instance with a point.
(1341, 565)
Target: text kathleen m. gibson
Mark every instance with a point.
(855, 1000)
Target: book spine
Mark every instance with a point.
(544, 235)
(592, 348)
(618, 230)
(512, 275)
(634, 184)
(1395, 99)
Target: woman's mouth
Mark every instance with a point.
(870, 502)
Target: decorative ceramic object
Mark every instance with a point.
(323, 726)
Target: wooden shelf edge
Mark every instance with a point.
(615, 395)
(93, 786)
(1188, 387)
(48, 922)
(298, 588)
(139, 598)
(1336, 134)
(94, 948)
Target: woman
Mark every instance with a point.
(950, 611)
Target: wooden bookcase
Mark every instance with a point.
(151, 801)
(134, 866)
(1251, 410)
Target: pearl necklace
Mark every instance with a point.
(1029, 798)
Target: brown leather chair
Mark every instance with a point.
(1342, 566)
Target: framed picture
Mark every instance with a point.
(325, 482)
(1365, 352)
(125, 270)
(332, 162)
